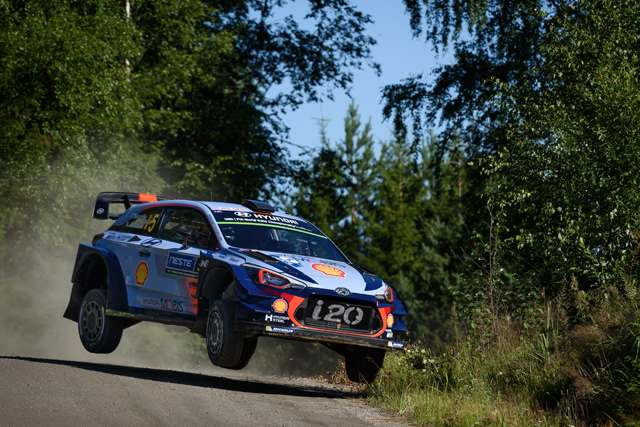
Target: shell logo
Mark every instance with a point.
(328, 270)
(142, 272)
(390, 320)
(280, 306)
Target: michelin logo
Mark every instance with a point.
(281, 330)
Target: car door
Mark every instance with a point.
(183, 234)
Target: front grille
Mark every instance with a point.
(325, 312)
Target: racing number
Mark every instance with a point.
(337, 313)
(151, 223)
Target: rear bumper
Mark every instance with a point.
(297, 333)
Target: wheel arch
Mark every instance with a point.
(96, 268)
(216, 281)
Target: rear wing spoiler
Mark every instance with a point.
(101, 208)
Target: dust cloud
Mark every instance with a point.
(31, 308)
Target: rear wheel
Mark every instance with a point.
(224, 344)
(363, 364)
(99, 333)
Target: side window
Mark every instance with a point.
(181, 223)
(145, 222)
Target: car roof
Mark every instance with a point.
(218, 206)
(221, 206)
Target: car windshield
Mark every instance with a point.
(272, 233)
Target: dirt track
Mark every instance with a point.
(37, 391)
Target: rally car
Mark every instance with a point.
(231, 273)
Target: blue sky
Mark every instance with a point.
(400, 56)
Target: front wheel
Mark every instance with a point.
(224, 344)
(363, 364)
(99, 333)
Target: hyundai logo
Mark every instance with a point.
(343, 291)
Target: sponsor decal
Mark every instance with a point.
(181, 265)
(328, 270)
(276, 319)
(335, 264)
(149, 302)
(254, 218)
(343, 291)
(100, 211)
(117, 237)
(151, 223)
(280, 305)
(172, 305)
(167, 304)
(281, 330)
(262, 218)
(151, 242)
(287, 260)
(229, 258)
(394, 344)
(390, 320)
(389, 333)
(301, 258)
(338, 313)
(229, 208)
(142, 272)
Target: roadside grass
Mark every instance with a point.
(578, 370)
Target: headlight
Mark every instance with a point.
(386, 295)
(262, 276)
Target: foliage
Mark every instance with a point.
(570, 167)
(585, 375)
(492, 40)
(68, 116)
(210, 82)
(93, 94)
(357, 154)
(318, 197)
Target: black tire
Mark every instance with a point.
(248, 347)
(224, 344)
(363, 364)
(99, 333)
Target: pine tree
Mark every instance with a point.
(357, 155)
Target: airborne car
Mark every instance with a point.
(231, 273)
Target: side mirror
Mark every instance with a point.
(187, 235)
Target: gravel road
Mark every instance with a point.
(40, 391)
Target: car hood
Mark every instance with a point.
(330, 274)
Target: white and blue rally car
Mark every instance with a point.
(230, 273)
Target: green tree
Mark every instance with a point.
(490, 39)
(210, 78)
(334, 190)
(318, 196)
(88, 89)
(356, 152)
(571, 167)
(68, 116)
(394, 231)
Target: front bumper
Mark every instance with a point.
(298, 333)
